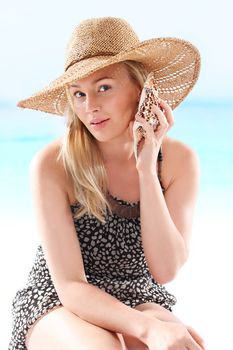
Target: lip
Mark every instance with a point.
(99, 123)
(96, 121)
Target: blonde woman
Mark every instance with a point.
(113, 227)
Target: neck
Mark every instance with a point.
(116, 152)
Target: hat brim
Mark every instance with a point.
(176, 64)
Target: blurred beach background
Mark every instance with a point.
(33, 37)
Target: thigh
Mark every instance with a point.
(61, 329)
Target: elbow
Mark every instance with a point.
(166, 276)
(169, 271)
(71, 291)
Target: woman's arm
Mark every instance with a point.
(166, 220)
(63, 255)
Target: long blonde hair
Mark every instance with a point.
(82, 158)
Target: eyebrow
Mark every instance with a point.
(94, 82)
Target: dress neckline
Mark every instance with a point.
(120, 207)
(123, 208)
(115, 198)
(123, 201)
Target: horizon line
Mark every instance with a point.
(201, 100)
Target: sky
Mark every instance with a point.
(34, 34)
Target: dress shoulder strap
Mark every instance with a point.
(159, 160)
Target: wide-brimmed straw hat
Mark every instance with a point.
(99, 42)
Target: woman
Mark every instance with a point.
(98, 274)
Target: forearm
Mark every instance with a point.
(163, 244)
(100, 308)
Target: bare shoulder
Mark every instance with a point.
(48, 155)
(177, 157)
(47, 162)
(178, 149)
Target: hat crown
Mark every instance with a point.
(99, 37)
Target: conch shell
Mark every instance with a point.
(149, 97)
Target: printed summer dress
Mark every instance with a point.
(113, 260)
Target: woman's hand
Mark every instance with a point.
(199, 340)
(159, 325)
(160, 313)
(171, 336)
(149, 147)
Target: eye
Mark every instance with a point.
(104, 87)
(78, 94)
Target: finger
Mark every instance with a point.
(194, 333)
(151, 131)
(146, 125)
(163, 124)
(152, 122)
(161, 117)
(168, 112)
(196, 337)
(193, 345)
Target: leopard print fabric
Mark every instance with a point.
(113, 260)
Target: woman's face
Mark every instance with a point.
(106, 101)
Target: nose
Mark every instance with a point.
(92, 103)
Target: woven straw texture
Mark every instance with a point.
(100, 42)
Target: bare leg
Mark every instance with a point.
(60, 329)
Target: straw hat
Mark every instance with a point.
(100, 42)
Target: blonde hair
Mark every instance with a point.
(82, 158)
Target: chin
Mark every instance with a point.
(102, 139)
(108, 137)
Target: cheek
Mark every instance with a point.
(77, 108)
(128, 105)
(79, 113)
